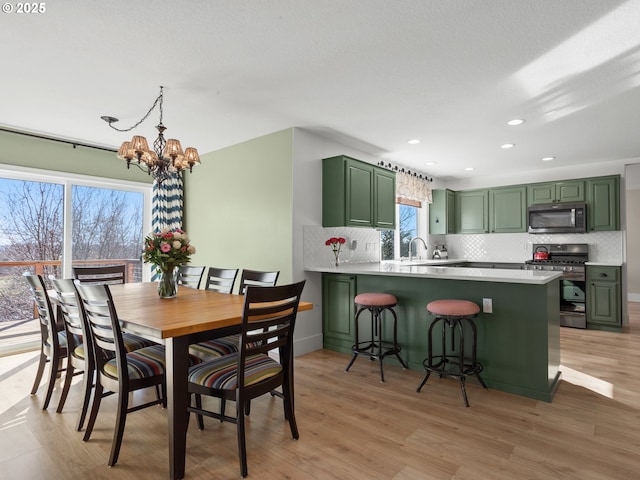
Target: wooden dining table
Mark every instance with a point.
(192, 316)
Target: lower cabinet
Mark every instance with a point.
(604, 302)
(338, 293)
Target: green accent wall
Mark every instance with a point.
(25, 151)
(239, 206)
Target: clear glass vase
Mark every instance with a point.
(167, 286)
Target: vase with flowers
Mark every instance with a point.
(167, 250)
(335, 243)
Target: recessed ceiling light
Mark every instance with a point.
(430, 163)
(548, 159)
(469, 169)
(508, 145)
(515, 121)
(414, 141)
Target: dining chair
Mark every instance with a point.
(118, 371)
(189, 276)
(221, 279)
(53, 345)
(80, 352)
(256, 277)
(268, 322)
(103, 274)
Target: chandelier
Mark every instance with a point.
(165, 159)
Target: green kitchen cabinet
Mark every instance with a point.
(338, 293)
(556, 192)
(604, 302)
(357, 194)
(442, 213)
(603, 203)
(472, 211)
(384, 197)
(508, 209)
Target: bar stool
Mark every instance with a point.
(452, 315)
(376, 348)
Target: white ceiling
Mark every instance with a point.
(371, 73)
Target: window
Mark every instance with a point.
(48, 219)
(394, 244)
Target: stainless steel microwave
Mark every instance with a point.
(557, 218)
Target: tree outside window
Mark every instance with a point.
(395, 243)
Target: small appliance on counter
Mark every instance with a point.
(440, 252)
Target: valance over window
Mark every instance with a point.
(413, 188)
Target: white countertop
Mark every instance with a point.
(428, 269)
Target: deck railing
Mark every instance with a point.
(18, 325)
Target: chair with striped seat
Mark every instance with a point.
(118, 371)
(53, 346)
(257, 277)
(190, 276)
(268, 322)
(218, 347)
(80, 357)
(221, 279)
(102, 274)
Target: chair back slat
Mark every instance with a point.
(257, 278)
(190, 276)
(221, 279)
(102, 275)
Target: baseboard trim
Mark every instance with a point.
(310, 344)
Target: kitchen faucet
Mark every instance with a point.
(411, 243)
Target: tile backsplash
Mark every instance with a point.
(363, 245)
(604, 247)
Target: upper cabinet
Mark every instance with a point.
(472, 211)
(603, 203)
(556, 192)
(442, 212)
(504, 209)
(357, 194)
(508, 209)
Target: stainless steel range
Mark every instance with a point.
(568, 258)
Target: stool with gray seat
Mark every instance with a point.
(376, 347)
(451, 317)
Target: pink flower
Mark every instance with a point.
(165, 247)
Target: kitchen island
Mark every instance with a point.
(518, 343)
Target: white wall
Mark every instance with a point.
(308, 151)
(633, 231)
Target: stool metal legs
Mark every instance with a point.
(449, 363)
(376, 348)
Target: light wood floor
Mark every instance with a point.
(354, 427)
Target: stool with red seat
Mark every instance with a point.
(452, 316)
(376, 347)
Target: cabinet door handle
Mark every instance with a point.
(603, 275)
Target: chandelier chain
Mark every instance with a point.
(159, 99)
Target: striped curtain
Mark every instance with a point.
(166, 207)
